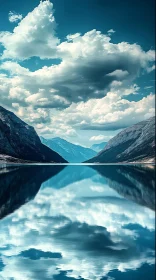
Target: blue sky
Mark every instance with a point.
(81, 70)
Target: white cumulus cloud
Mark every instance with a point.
(14, 17)
(33, 36)
(100, 138)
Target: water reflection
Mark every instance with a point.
(136, 183)
(83, 223)
(20, 184)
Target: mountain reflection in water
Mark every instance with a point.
(77, 222)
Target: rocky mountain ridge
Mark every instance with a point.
(133, 144)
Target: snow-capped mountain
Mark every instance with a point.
(98, 147)
(19, 141)
(133, 144)
(71, 152)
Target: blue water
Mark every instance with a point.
(77, 222)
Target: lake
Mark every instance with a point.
(71, 222)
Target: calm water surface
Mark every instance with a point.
(77, 222)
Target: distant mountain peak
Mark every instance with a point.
(71, 152)
(98, 147)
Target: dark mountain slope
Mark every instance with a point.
(20, 140)
(135, 143)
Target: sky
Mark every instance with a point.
(80, 70)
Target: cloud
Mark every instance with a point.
(112, 112)
(82, 76)
(150, 69)
(85, 90)
(100, 138)
(88, 230)
(29, 94)
(71, 37)
(14, 17)
(148, 87)
(110, 31)
(26, 40)
(90, 63)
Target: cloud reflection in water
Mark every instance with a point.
(83, 221)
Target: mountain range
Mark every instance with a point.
(133, 144)
(19, 141)
(71, 152)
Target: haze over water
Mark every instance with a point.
(77, 222)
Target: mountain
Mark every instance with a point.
(133, 144)
(98, 147)
(19, 140)
(71, 152)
